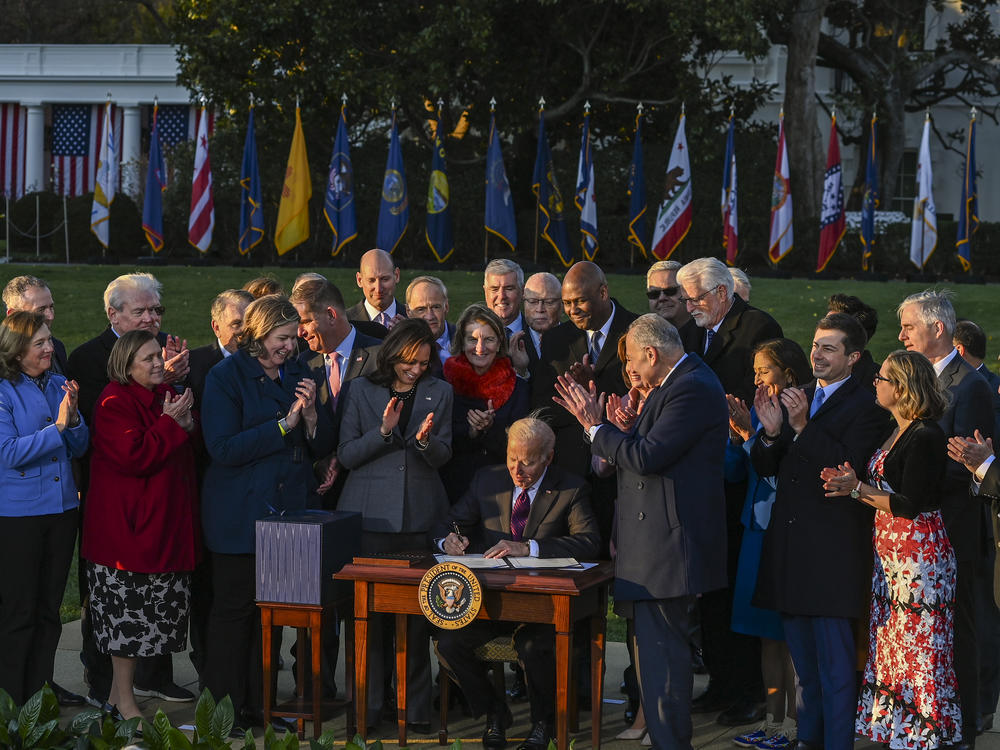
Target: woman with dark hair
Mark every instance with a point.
(909, 697)
(141, 533)
(40, 431)
(263, 432)
(777, 364)
(491, 393)
(395, 435)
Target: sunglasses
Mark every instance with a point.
(653, 293)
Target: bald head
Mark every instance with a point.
(585, 296)
(378, 277)
(542, 301)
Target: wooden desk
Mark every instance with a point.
(557, 597)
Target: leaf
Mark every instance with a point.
(50, 705)
(356, 743)
(8, 709)
(325, 741)
(83, 720)
(248, 741)
(223, 718)
(203, 713)
(41, 733)
(27, 719)
(127, 728)
(162, 725)
(177, 740)
(456, 745)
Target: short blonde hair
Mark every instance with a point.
(921, 395)
(261, 317)
(123, 352)
(531, 430)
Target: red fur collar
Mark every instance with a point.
(495, 384)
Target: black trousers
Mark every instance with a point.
(535, 645)
(966, 648)
(35, 555)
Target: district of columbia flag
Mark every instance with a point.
(394, 209)
(439, 234)
(549, 197)
(293, 209)
(251, 204)
(968, 210)
(780, 240)
(870, 200)
(338, 204)
(105, 185)
(201, 221)
(500, 219)
(156, 183)
(637, 191)
(832, 221)
(923, 233)
(586, 193)
(730, 217)
(673, 220)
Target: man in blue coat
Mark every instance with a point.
(670, 510)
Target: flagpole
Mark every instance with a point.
(38, 231)
(7, 225)
(541, 110)
(486, 233)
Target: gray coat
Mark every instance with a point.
(394, 485)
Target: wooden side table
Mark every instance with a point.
(305, 617)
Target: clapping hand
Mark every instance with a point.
(480, 421)
(390, 417)
(839, 481)
(518, 351)
(582, 372)
(175, 360)
(970, 452)
(768, 411)
(394, 319)
(69, 415)
(424, 433)
(797, 404)
(329, 476)
(619, 412)
(178, 408)
(582, 403)
(304, 406)
(739, 417)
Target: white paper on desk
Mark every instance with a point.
(543, 562)
(473, 561)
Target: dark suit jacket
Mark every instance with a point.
(816, 558)
(561, 347)
(990, 490)
(58, 356)
(993, 380)
(865, 369)
(971, 409)
(560, 520)
(671, 525)
(731, 354)
(202, 359)
(359, 313)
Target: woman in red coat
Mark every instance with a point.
(141, 533)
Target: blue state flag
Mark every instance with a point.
(870, 200)
(439, 233)
(637, 193)
(156, 183)
(338, 206)
(394, 211)
(586, 194)
(550, 200)
(968, 212)
(251, 205)
(499, 203)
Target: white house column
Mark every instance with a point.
(131, 154)
(34, 146)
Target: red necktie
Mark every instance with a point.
(519, 516)
(334, 379)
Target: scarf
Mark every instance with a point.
(496, 384)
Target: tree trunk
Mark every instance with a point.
(802, 135)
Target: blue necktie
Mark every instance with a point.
(818, 398)
(709, 335)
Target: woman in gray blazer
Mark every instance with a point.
(395, 435)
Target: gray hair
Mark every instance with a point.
(432, 280)
(707, 273)
(548, 279)
(227, 298)
(502, 267)
(307, 276)
(13, 293)
(532, 430)
(130, 283)
(933, 305)
(662, 265)
(740, 279)
(652, 330)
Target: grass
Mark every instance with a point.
(187, 293)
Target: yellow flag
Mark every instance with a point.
(293, 210)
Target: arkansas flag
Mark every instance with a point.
(781, 238)
(673, 220)
(832, 222)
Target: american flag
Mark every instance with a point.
(76, 134)
(174, 124)
(13, 120)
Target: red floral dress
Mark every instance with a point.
(909, 695)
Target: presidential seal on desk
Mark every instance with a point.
(450, 595)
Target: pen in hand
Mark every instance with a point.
(461, 539)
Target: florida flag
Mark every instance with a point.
(832, 221)
(781, 201)
(673, 220)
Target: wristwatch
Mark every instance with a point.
(856, 492)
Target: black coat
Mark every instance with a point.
(201, 360)
(990, 490)
(915, 469)
(816, 557)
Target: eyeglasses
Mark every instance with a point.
(543, 301)
(653, 293)
(696, 300)
(878, 377)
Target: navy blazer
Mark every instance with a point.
(671, 516)
(255, 470)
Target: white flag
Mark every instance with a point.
(673, 220)
(781, 236)
(923, 236)
(201, 221)
(105, 184)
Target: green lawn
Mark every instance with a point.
(796, 303)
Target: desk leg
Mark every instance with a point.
(401, 677)
(361, 657)
(352, 724)
(597, 644)
(265, 624)
(316, 626)
(564, 667)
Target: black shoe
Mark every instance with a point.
(740, 713)
(112, 711)
(65, 697)
(538, 739)
(169, 692)
(419, 727)
(495, 736)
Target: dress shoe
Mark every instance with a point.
(538, 738)
(168, 692)
(418, 727)
(741, 713)
(66, 697)
(497, 721)
(112, 711)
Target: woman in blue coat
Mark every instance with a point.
(40, 431)
(262, 431)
